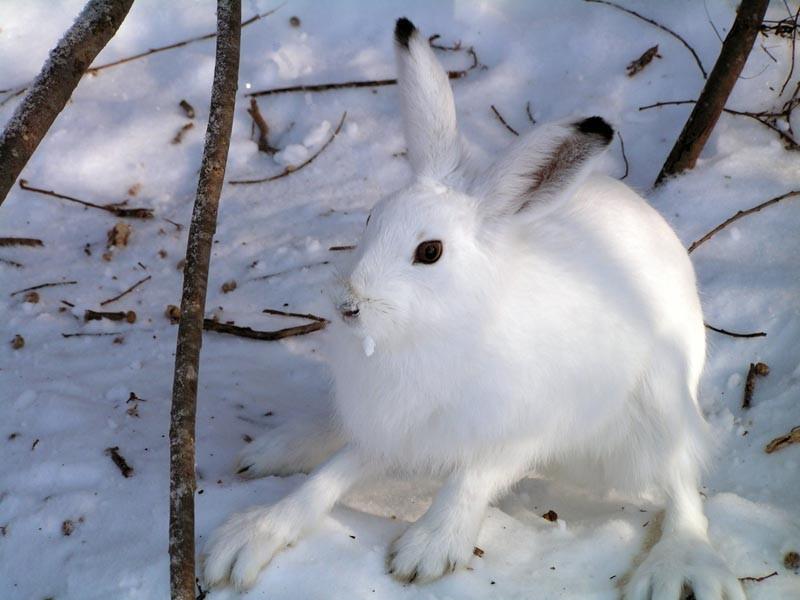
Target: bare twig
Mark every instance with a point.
(734, 334)
(371, 83)
(195, 285)
(292, 169)
(661, 27)
(290, 270)
(263, 128)
(341, 248)
(273, 311)
(529, 113)
(503, 121)
(128, 291)
(270, 336)
(120, 461)
(454, 48)
(90, 334)
(705, 114)
(794, 41)
(114, 209)
(94, 315)
(793, 437)
(15, 241)
(43, 285)
(760, 369)
(624, 156)
(758, 579)
(12, 263)
(51, 90)
(179, 136)
(740, 214)
(645, 59)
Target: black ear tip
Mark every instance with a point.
(596, 126)
(403, 30)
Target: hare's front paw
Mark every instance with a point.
(293, 447)
(424, 553)
(679, 562)
(243, 545)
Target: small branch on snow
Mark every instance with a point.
(114, 209)
(341, 248)
(12, 263)
(43, 285)
(290, 270)
(88, 334)
(503, 121)
(120, 461)
(269, 336)
(15, 241)
(761, 369)
(529, 113)
(624, 156)
(273, 311)
(645, 59)
(292, 169)
(128, 291)
(758, 579)
(179, 136)
(794, 42)
(740, 214)
(734, 334)
(263, 128)
(793, 437)
(93, 315)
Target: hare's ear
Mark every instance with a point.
(543, 168)
(429, 113)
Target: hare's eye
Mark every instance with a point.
(428, 252)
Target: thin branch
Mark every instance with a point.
(53, 87)
(273, 311)
(12, 263)
(503, 121)
(758, 579)
(128, 291)
(341, 248)
(183, 411)
(43, 285)
(114, 209)
(263, 128)
(371, 83)
(291, 169)
(270, 336)
(740, 214)
(92, 334)
(661, 27)
(15, 241)
(624, 156)
(794, 41)
(529, 113)
(761, 369)
(793, 437)
(290, 270)
(734, 334)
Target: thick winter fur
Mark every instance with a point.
(559, 333)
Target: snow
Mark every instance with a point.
(63, 401)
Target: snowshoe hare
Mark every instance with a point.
(527, 317)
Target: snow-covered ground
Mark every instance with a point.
(64, 401)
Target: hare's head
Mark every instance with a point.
(429, 255)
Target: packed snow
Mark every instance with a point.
(72, 527)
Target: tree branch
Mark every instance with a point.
(51, 90)
(195, 285)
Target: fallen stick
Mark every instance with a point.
(734, 334)
(325, 87)
(88, 334)
(179, 136)
(263, 128)
(758, 579)
(793, 437)
(12, 263)
(759, 368)
(114, 209)
(273, 311)
(502, 120)
(128, 291)
(624, 156)
(740, 214)
(341, 248)
(291, 169)
(53, 87)
(43, 285)
(120, 461)
(93, 315)
(254, 334)
(661, 27)
(183, 409)
(290, 270)
(15, 241)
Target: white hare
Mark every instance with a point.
(524, 317)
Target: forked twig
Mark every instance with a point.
(128, 291)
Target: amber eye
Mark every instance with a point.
(428, 252)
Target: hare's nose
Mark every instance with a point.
(349, 310)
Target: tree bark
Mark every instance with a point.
(732, 58)
(195, 283)
(50, 91)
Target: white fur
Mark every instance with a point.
(560, 332)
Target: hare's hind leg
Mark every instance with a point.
(296, 446)
(683, 557)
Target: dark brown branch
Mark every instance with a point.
(291, 169)
(51, 90)
(195, 285)
(128, 291)
(43, 285)
(757, 579)
(760, 369)
(114, 209)
(94, 315)
(502, 120)
(740, 214)
(263, 128)
(624, 156)
(341, 248)
(717, 89)
(793, 437)
(661, 27)
(270, 336)
(273, 311)
(120, 461)
(88, 334)
(15, 241)
(326, 87)
(734, 334)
